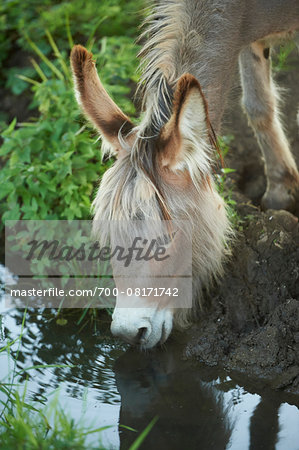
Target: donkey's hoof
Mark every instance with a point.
(281, 198)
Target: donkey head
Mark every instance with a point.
(161, 172)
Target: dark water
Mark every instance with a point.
(110, 384)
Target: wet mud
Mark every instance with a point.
(250, 323)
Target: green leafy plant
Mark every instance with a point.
(76, 18)
(281, 58)
(224, 188)
(52, 164)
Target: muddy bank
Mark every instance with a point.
(251, 322)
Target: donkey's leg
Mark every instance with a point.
(260, 99)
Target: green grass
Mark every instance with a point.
(27, 425)
(32, 426)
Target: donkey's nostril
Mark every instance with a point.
(141, 334)
(131, 332)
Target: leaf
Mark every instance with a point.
(25, 154)
(10, 128)
(61, 321)
(227, 170)
(34, 205)
(12, 214)
(5, 189)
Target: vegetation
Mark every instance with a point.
(281, 59)
(26, 426)
(52, 162)
(225, 189)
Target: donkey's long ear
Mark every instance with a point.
(94, 100)
(184, 137)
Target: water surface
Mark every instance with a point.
(107, 383)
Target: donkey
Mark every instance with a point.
(164, 166)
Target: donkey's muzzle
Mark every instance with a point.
(133, 335)
(142, 327)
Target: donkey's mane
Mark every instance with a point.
(157, 61)
(170, 50)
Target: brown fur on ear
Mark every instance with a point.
(190, 113)
(93, 98)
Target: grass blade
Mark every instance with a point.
(38, 69)
(93, 31)
(68, 31)
(136, 444)
(29, 80)
(58, 54)
(44, 58)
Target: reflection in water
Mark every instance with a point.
(90, 357)
(198, 407)
(262, 437)
(191, 413)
